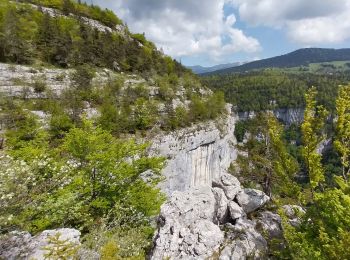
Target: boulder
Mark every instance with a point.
(21, 245)
(229, 184)
(235, 210)
(293, 213)
(251, 199)
(244, 242)
(189, 224)
(221, 205)
(186, 228)
(270, 224)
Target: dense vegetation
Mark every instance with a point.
(30, 35)
(298, 58)
(273, 161)
(265, 90)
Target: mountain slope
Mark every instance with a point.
(301, 57)
(200, 69)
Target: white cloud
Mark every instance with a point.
(307, 22)
(185, 27)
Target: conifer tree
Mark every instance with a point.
(312, 130)
(342, 142)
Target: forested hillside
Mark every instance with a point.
(63, 37)
(265, 90)
(298, 58)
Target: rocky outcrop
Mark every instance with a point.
(293, 213)
(20, 80)
(287, 115)
(196, 155)
(21, 245)
(243, 241)
(290, 115)
(251, 199)
(204, 222)
(187, 228)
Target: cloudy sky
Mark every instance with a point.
(209, 32)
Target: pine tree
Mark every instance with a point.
(46, 38)
(312, 130)
(67, 7)
(342, 142)
(15, 47)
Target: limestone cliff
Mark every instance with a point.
(196, 155)
(287, 115)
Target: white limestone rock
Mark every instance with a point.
(229, 184)
(186, 226)
(196, 155)
(221, 205)
(244, 242)
(293, 213)
(235, 210)
(269, 223)
(251, 199)
(21, 245)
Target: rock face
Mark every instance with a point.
(186, 226)
(290, 115)
(189, 224)
(196, 155)
(243, 241)
(287, 115)
(21, 245)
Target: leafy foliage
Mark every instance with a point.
(265, 159)
(342, 142)
(89, 176)
(324, 232)
(312, 127)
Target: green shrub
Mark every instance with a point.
(39, 85)
(240, 130)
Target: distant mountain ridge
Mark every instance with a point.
(301, 57)
(200, 69)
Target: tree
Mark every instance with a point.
(103, 161)
(312, 130)
(267, 161)
(91, 175)
(46, 38)
(16, 47)
(67, 7)
(324, 231)
(342, 142)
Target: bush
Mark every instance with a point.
(39, 85)
(82, 77)
(240, 130)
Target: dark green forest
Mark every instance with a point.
(271, 89)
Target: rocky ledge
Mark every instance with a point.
(213, 221)
(21, 245)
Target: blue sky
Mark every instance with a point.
(210, 32)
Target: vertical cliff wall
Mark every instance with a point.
(287, 115)
(197, 154)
